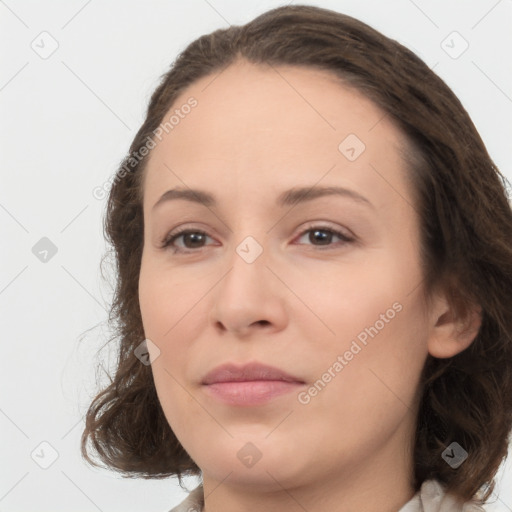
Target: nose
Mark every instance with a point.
(251, 296)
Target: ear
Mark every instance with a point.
(450, 334)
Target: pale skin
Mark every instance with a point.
(301, 303)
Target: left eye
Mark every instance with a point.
(317, 233)
(195, 238)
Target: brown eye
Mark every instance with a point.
(324, 236)
(192, 239)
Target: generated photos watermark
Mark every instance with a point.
(99, 192)
(304, 397)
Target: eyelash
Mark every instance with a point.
(169, 239)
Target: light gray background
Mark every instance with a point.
(67, 121)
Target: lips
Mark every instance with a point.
(250, 385)
(249, 372)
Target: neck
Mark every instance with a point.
(382, 484)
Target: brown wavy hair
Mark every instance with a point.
(466, 248)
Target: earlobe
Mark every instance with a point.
(450, 335)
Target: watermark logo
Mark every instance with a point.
(45, 45)
(44, 250)
(44, 455)
(249, 454)
(249, 249)
(454, 455)
(454, 45)
(146, 352)
(351, 147)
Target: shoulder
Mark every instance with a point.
(434, 498)
(194, 502)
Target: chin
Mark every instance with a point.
(259, 459)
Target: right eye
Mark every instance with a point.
(189, 236)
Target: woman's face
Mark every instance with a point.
(270, 281)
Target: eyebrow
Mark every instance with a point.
(286, 198)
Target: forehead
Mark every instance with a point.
(263, 128)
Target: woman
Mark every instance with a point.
(314, 279)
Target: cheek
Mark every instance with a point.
(363, 391)
(168, 304)
(170, 315)
(346, 299)
(372, 321)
